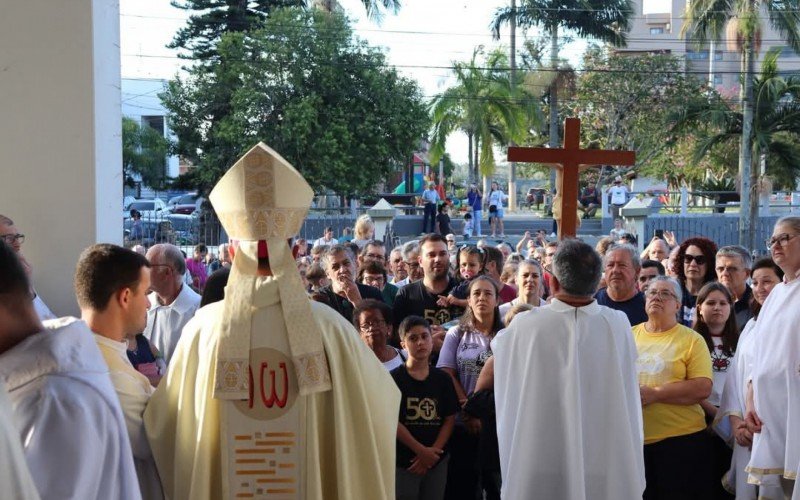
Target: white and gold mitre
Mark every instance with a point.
(263, 198)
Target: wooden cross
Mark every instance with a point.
(569, 161)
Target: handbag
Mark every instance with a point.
(492, 209)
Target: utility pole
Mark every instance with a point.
(746, 233)
(512, 168)
(554, 141)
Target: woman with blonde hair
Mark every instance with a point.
(364, 230)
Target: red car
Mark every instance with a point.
(185, 204)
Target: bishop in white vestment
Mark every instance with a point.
(269, 395)
(569, 415)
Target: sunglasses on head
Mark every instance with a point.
(699, 259)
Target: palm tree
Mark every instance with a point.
(485, 106)
(775, 132)
(605, 20)
(705, 20)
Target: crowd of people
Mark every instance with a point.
(552, 368)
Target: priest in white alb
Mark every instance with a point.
(67, 415)
(269, 395)
(569, 416)
(773, 406)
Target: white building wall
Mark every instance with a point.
(60, 139)
(139, 99)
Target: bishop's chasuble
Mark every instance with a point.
(337, 444)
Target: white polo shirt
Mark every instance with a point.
(165, 322)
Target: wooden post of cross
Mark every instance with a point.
(570, 159)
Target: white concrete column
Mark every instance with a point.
(60, 134)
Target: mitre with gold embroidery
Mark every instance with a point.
(263, 198)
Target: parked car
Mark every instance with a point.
(150, 209)
(185, 204)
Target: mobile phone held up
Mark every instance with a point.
(659, 233)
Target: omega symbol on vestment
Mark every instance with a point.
(273, 385)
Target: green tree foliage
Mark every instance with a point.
(144, 153)
(705, 21)
(623, 103)
(325, 101)
(484, 106)
(605, 20)
(214, 18)
(776, 123)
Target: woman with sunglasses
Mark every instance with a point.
(730, 418)
(695, 268)
(674, 378)
(773, 400)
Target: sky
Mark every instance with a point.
(421, 40)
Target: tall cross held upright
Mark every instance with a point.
(570, 161)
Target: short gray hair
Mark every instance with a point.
(577, 267)
(676, 287)
(625, 247)
(171, 256)
(335, 250)
(737, 251)
(409, 248)
(790, 220)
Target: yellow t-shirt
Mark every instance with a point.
(678, 354)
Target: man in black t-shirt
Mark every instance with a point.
(344, 294)
(622, 268)
(419, 298)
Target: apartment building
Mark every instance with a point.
(717, 62)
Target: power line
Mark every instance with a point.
(499, 69)
(488, 33)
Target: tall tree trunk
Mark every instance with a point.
(471, 169)
(512, 168)
(749, 203)
(554, 140)
(477, 158)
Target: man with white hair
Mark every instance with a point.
(172, 302)
(569, 417)
(397, 267)
(344, 293)
(733, 265)
(411, 264)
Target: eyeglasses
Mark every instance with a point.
(374, 256)
(781, 239)
(699, 259)
(372, 325)
(730, 269)
(661, 294)
(11, 238)
(412, 265)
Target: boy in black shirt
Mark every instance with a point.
(427, 415)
